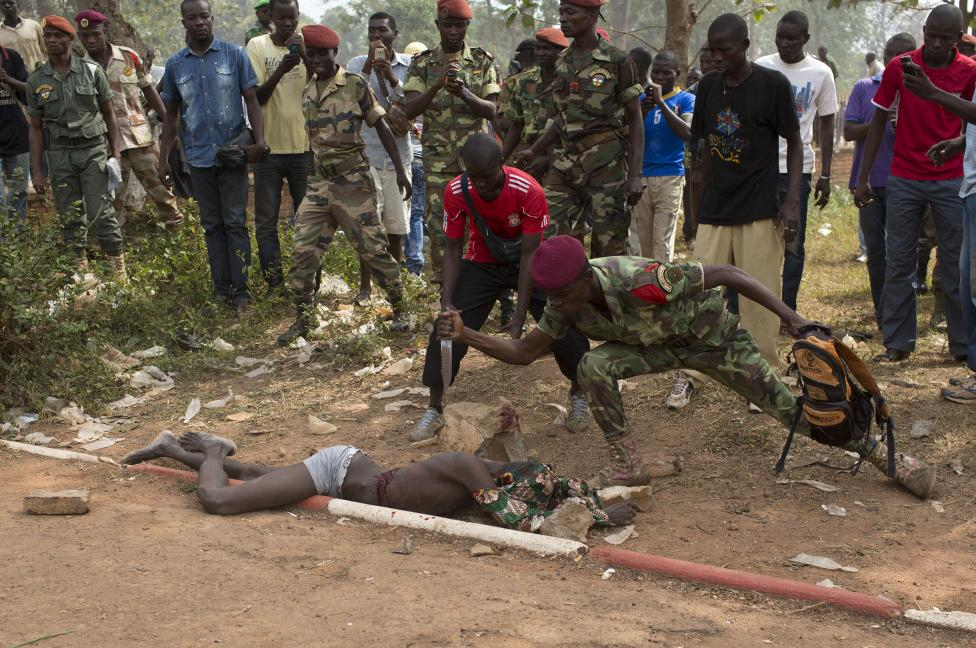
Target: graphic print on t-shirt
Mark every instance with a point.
(724, 143)
(802, 98)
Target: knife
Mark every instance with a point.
(447, 361)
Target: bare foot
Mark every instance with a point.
(204, 441)
(154, 450)
(621, 513)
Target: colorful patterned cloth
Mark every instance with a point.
(529, 493)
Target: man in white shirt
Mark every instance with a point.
(814, 95)
(278, 62)
(873, 65)
(386, 70)
(21, 34)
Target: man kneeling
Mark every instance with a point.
(518, 496)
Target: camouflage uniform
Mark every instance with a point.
(589, 171)
(530, 102)
(341, 191)
(255, 30)
(448, 122)
(127, 78)
(77, 150)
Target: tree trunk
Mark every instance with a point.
(681, 18)
(119, 31)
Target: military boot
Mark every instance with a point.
(626, 466)
(913, 474)
(118, 269)
(300, 327)
(401, 318)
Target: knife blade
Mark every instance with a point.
(447, 361)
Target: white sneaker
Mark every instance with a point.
(754, 409)
(578, 418)
(681, 389)
(428, 425)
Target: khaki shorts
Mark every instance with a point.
(395, 211)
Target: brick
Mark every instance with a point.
(67, 502)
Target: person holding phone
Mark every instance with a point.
(278, 60)
(917, 181)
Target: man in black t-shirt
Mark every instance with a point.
(740, 114)
(14, 146)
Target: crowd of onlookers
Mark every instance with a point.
(372, 146)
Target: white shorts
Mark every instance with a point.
(394, 210)
(328, 468)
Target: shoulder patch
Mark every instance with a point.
(674, 275)
(483, 52)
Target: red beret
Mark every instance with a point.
(589, 4)
(558, 262)
(90, 18)
(454, 9)
(320, 37)
(553, 36)
(603, 33)
(59, 23)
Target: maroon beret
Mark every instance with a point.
(454, 9)
(558, 262)
(90, 18)
(320, 37)
(589, 4)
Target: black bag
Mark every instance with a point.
(232, 155)
(504, 250)
(840, 396)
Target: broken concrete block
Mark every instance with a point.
(489, 431)
(639, 495)
(67, 502)
(480, 550)
(571, 521)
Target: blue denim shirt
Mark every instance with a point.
(209, 90)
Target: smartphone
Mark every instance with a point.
(906, 65)
(379, 54)
(452, 75)
(294, 48)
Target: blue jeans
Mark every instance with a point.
(907, 200)
(872, 219)
(269, 177)
(13, 191)
(795, 252)
(414, 245)
(221, 194)
(967, 280)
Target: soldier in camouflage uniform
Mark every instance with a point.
(129, 83)
(530, 105)
(594, 174)
(655, 317)
(72, 120)
(262, 23)
(341, 191)
(453, 107)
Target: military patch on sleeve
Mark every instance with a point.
(674, 275)
(599, 76)
(43, 91)
(664, 277)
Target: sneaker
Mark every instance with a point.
(968, 381)
(242, 304)
(626, 467)
(578, 417)
(938, 321)
(428, 425)
(962, 395)
(861, 258)
(362, 298)
(401, 321)
(892, 355)
(754, 409)
(681, 389)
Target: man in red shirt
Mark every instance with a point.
(503, 204)
(917, 182)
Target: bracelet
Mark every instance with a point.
(824, 177)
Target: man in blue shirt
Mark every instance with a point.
(204, 83)
(667, 127)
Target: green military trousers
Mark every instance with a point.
(79, 182)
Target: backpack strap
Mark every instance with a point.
(491, 240)
(781, 464)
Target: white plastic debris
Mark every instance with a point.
(298, 343)
(829, 584)
(333, 285)
(826, 229)
(101, 444)
(140, 380)
(38, 438)
(938, 506)
(318, 426)
(365, 329)
(365, 371)
(419, 391)
(821, 562)
(849, 341)
(834, 509)
(260, 371)
(396, 406)
(390, 393)
(245, 362)
(192, 410)
(240, 417)
(819, 485)
(126, 401)
(26, 419)
(626, 385)
(387, 354)
(72, 414)
(608, 573)
(151, 352)
(399, 367)
(219, 344)
(221, 402)
(561, 413)
(621, 536)
(91, 431)
(54, 404)
(117, 360)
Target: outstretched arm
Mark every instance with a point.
(523, 351)
(750, 288)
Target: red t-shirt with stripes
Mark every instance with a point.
(520, 208)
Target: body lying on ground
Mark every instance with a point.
(516, 495)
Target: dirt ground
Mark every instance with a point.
(148, 566)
